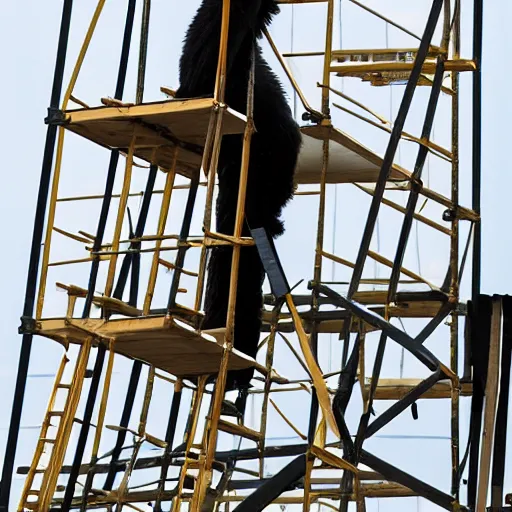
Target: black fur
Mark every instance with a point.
(274, 151)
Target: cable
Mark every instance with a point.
(335, 209)
(292, 38)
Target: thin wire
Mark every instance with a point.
(342, 79)
(418, 252)
(418, 257)
(333, 264)
(402, 355)
(333, 267)
(292, 38)
(335, 209)
(402, 352)
(377, 225)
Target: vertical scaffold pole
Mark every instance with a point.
(475, 429)
(317, 273)
(35, 253)
(100, 356)
(477, 144)
(454, 261)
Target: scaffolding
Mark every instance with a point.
(177, 142)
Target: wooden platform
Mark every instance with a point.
(411, 304)
(163, 125)
(396, 389)
(167, 344)
(157, 126)
(418, 304)
(349, 161)
(391, 65)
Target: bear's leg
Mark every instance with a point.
(248, 303)
(250, 274)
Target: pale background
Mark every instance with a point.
(28, 37)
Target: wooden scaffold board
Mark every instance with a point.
(158, 126)
(163, 342)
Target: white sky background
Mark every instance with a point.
(28, 38)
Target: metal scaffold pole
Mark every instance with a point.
(35, 254)
(144, 300)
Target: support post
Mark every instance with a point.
(35, 254)
(477, 144)
(111, 174)
(491, 399)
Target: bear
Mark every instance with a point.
(274, 153)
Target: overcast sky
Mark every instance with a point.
(28, 37)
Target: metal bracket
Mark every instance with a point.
(311, 117)
(449, 215)
(28, 325)
(56, 117)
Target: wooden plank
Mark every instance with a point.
(386, 490)
(108, 303)
(188, 119)
(396, 389)
(314, 370)
(408, 305)
(491, 401)
(349, 161)
(154, 124)
(165, 343)
(332, 460)
(336, 54)
(429, 68)
(324, 327)
(239, 430)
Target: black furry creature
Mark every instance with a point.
(274, 150)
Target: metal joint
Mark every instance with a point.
(416, 185)
(449, 215)
(28, 325)
(55, 117)
(312, 117)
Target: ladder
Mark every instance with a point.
(54, 446)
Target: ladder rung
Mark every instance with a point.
(56, 413)
(47, 440)
(155, 441)
(193, 464)
(239, 430)
(64, 386)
